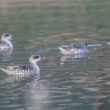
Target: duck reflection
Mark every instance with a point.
(73, 58)
(18, 79)
(6, 55)
(27, 92)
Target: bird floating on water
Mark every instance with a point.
(24, 70)
(73, 49)
(5, 42)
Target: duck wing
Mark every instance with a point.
(3, 45)
(79, 46)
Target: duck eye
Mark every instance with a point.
(36, 57)
(6, 35)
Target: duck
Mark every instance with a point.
(5, 42)
(25, 70)
(73, 49)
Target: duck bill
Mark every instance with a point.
(60, 48)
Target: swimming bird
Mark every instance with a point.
(5, 42)
(24, 70)
(73, 49)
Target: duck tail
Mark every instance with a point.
(4, 70)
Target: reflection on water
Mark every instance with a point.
(37, 97)
(108, 43)
(18, 79)
(103, 103)
(94, 45)
(6, 55)
(41, 26)
(73, 58)
(28, 91)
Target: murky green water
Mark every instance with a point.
(67, 82)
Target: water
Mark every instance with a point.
(67, 82)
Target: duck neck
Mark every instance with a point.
(9, 42)
(36, 67)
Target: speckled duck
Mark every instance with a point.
(23, 70)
